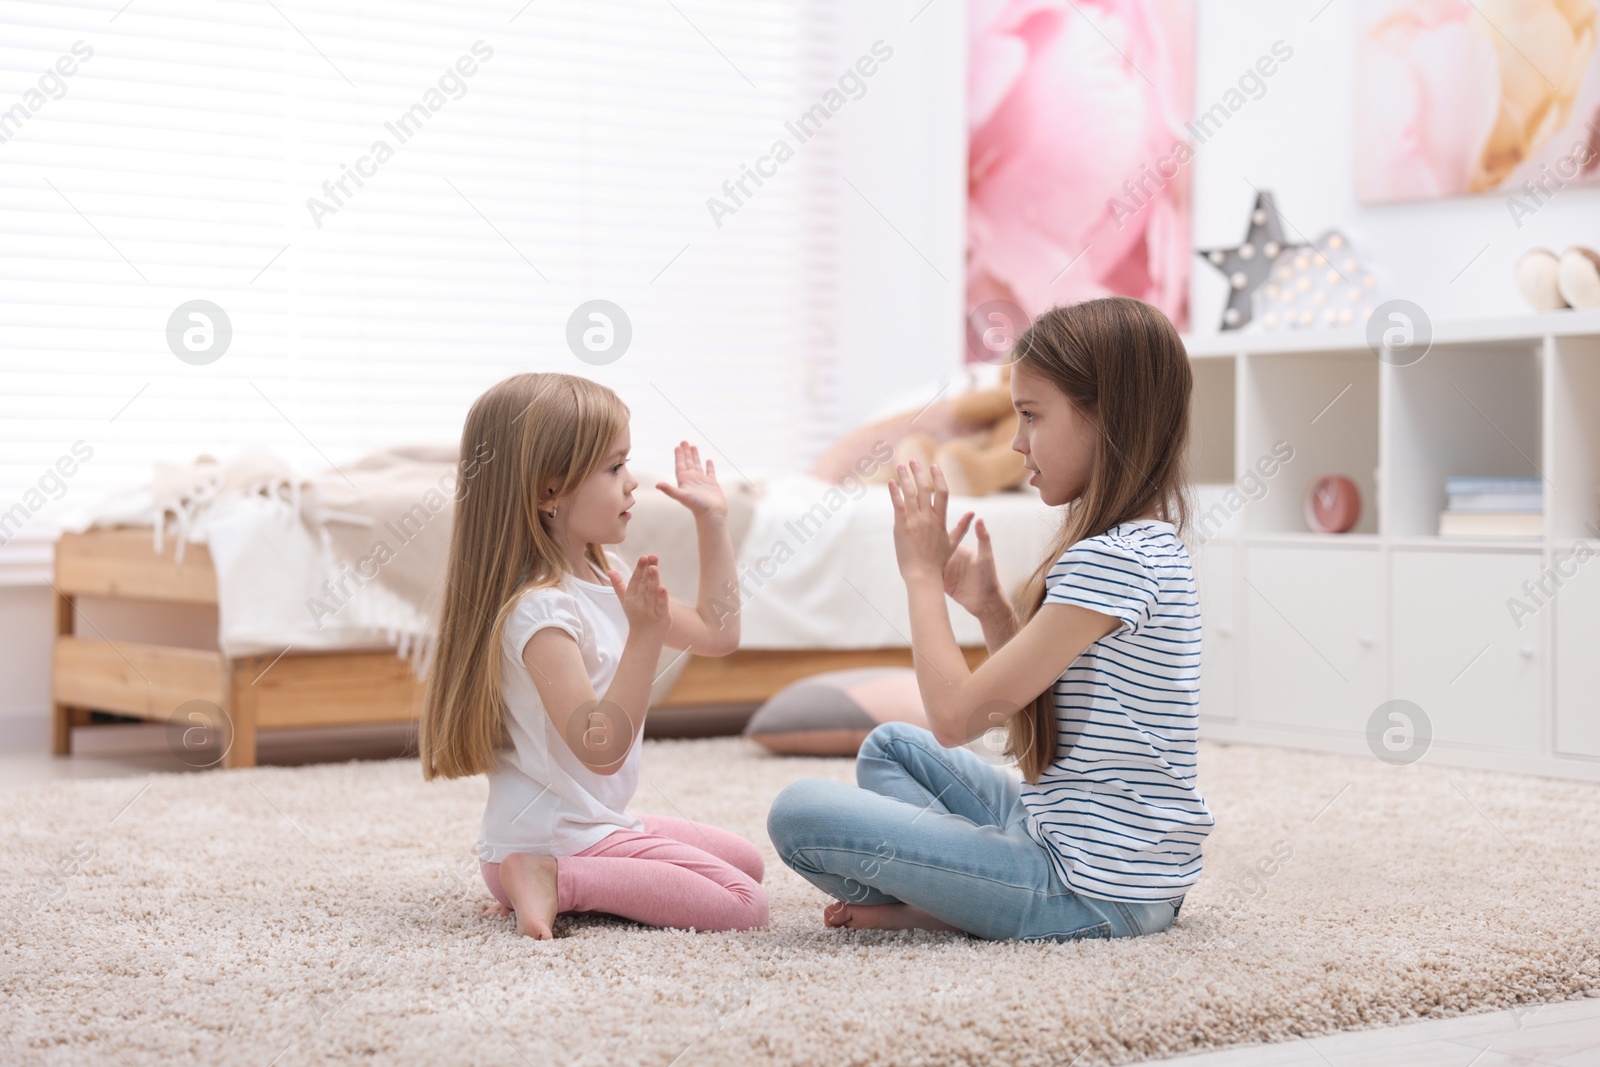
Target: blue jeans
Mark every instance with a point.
(946, 832)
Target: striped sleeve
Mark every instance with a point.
(1108, 575)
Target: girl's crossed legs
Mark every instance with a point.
(944, 832)
(676, 873)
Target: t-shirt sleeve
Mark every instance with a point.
(1107, 575)
(538, 610)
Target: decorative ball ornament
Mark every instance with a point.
(1323, 284)
(1248, 265)
(1332, 504)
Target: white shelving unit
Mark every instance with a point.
(1307, 634)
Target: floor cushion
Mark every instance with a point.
(831, 714)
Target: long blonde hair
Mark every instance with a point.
(521, 434)
(1121, 362)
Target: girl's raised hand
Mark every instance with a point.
(644, 599)
(921, 545)
(697, 487)
(970, 576)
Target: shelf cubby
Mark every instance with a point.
(1465, 408)
(1323, 405)
(1574, 510)
(1211, 420)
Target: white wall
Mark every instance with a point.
(905, 149)
(1296, 142)
(27, 631)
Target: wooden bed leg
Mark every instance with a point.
(61, 730)
(242, 712)
(62, 716)
(64, 719)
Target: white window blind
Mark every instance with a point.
(532, 158)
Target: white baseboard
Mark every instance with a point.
(27, 731)
(29, 557)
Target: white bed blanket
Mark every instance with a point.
(818, 570)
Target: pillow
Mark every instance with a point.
(831, 714)
(929, 410)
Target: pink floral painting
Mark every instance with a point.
(1471, 96)
(1075, 108)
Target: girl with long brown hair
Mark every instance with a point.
(542, 671)
(1095, 680)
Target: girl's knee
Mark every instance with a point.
(753, 917)
(798, 810)
(884, 734)
(880, 743)
(757, 913)
(758, 866)
(747, 859)
(746, 910)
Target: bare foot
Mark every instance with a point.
(530, 883)
(882, 917)
(495, 910)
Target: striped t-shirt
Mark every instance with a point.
(1118, 810)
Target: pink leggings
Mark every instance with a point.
(677, 873)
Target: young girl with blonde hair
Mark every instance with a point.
(1096, 683)
(542, 672)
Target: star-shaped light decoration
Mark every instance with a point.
(1325, 285)
(1248, 265)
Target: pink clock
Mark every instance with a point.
(1332, 504)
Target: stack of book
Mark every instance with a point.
(1493, 507)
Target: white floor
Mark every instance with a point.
(1553, 1035)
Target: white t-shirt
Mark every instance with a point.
(541, 798)
(1119, 810)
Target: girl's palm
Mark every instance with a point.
(644, 598)
(970, 577)
(697, 488)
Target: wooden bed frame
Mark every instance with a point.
(299, 689)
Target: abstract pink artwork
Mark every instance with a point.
(1456, 97)
(1075, 190)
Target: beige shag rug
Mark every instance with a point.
(331, 913)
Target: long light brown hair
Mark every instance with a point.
(1122, 364)
(523, 433)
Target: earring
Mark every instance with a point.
(552, 513)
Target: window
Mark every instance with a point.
(394, 205)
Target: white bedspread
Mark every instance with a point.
(293, 552)
(818, 569)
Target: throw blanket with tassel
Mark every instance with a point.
(354, 557)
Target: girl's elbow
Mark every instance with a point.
(954, 727)
(943, 734)
(723, 642)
